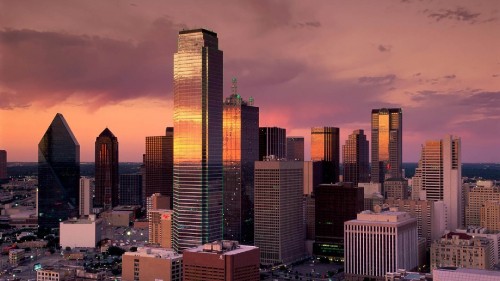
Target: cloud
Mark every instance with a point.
(378, 80)
(307, 24)
(452, 76)
(384, 48)
(457, 14)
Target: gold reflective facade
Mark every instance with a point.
(198, 79)
(325, 149)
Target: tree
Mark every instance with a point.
(115, 251)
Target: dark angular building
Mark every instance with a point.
(325, 148)
(106, 170)
(159, 165)
(240, 151)
(130, 189)
(295, 148)
(272, 142)
(3, 164)
(334, 205)
(58, 174)
(355, 156)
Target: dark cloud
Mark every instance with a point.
(417, 74)
(307, 24)
(457, 14)
(50, 67)
(451, 76)
(384, 48)
(495, 75)
(378, 80)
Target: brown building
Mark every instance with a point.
(160, 228)
(222, 261)
(151, 264)
(355, 156)
(106, 170)
(159, 164)
(3, 164)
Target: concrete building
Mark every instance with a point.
(16, 256)
(464, 274)
(494, 236)
(222, 261)
(461, 250)
(279, 231)
(86, 191)
(417, 192)
(160, 228)
(80, 232)
(377, 243)
(490, 215)
(55, 274)
(483, 191)
(395, 188)
(403, 275)
(295, 148)
(118, 218)
(157, 201)
(151, 264)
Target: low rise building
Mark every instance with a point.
(494, 236)
(16, 256)
(459, 274)
(85, 232)
(55, 274)
(152, 264)
(403, 275)
(160, 228)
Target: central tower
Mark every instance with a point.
(198, 80)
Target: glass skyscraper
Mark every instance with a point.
(58, 174)
(355, 156)
(387, 144)
(198, 79)
(240, 151)
(106, 170)
(272, 143)
(325, 148)
(159, 165)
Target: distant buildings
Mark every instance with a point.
(387, 144)
(158, 164)
(152, 264)
(279, 231)
(395, 188)
(476, 197)
(490, 215)
(3, 164)
(220, 261)
(355, 158)
(84, 232)
(198, 115)
(86, 194)
(240, 151)
(325, 148)
(272, 143)
(130, 189)
(295, 148)
(106, 170)
(58, 174)
(377, 243)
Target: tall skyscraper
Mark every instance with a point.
(355, 156)
(325, 149)
(272, 142)
(159, 164)
(387, 144)
(3, 164)
(198, 80)
(58, 174)
(240, 151)
(295, 148)
(442, 176)
(106, 170)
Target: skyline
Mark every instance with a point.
(104, 64)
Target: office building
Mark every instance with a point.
(3, 164)
(106, 170)
(312, 176)
(395, 188)
(160, 227)
(295, 148)
(158, 201)
(58, 173)
(355, 157)
(221, 261)
(457, 273)
(377, 243)
(55, 274)
(130, 189)
(387, 144)
(417, 192)
(279, 231)
(198, 193)
(462, 250)
(326, 150)
(272, 143)
(158, 164)
(240, 151)
(334, 205)
(441, 166)
(152, 264)
(86, 194)
(490, 215)
(483, 191)
(492, 235)
(85, 232)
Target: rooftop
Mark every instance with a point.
(224, 247)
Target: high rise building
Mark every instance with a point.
(58, 174)
(312, 176)
(295, 148)
(279, 231)
(490, 215)
(152, 264)
(220, 261)
(240, 151)
(355, 156)
(325, 148)
(334, 205)
(86, 194)
(198, 139)
(377, 243)
(387, 144)
(272, 143)
(441, 167)
(160, 227)
(130, 189)
(106, 170)
(3, 164)
(159, 165)
(483, 191)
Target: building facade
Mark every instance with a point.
(355, 157)
(58, 174)
(152, 264)
(198, 115)
(396, 188)
(272, 143)
(106, 170)
(325, 148)
(84, 232)
(387, 144)
(295, 148)
(158, 164)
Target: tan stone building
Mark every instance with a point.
(490, 215)
(152, 264)
(484, 190)
(462, 250)
(160, 228)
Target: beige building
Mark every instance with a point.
(55, 274)
(461, 250)
(16, 256)
(118, 218)
(494, 236)
(84, 232)
(490, 215)
(160, 228)
(483, 191)
(151, 264)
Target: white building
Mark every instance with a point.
(462, 274)
(86, 204)
(377, 243)
(80, 232)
